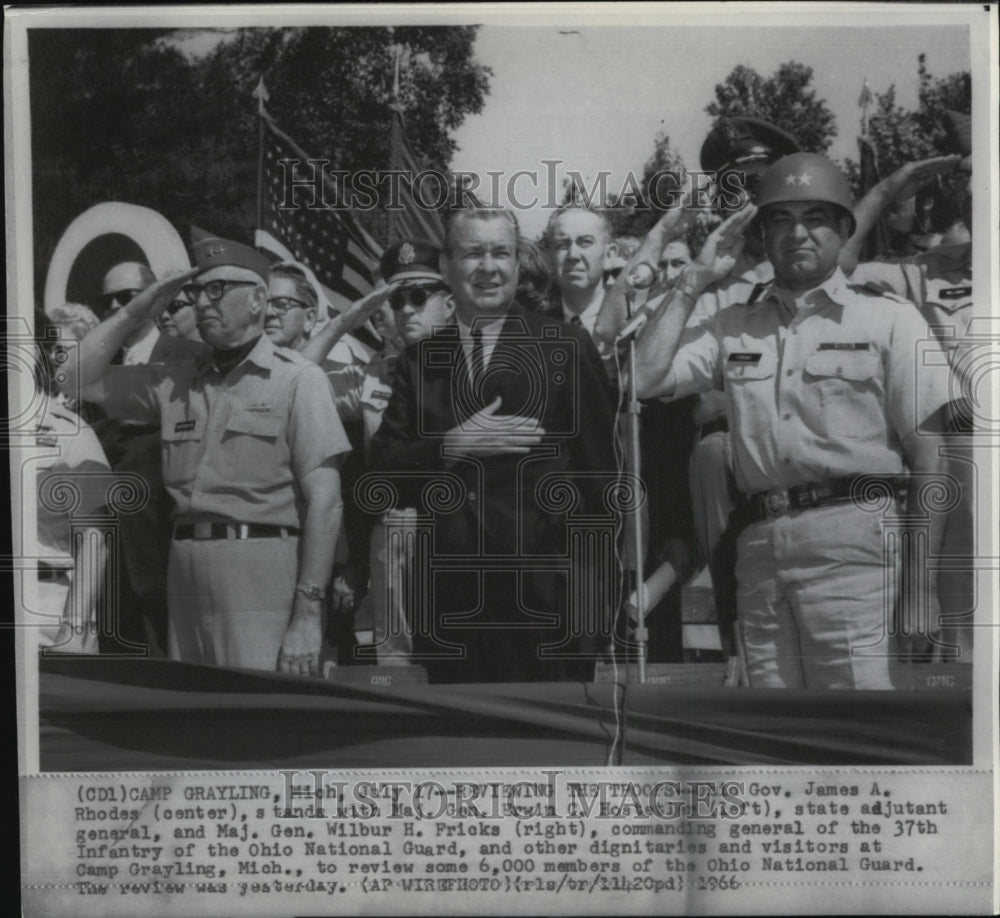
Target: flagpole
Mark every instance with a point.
(260, 93)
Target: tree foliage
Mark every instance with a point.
(125, 115)
(902, 135)
(634, 215)
(785, 99)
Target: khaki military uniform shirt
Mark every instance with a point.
(820, 386)
(939, 282)
(235, 447)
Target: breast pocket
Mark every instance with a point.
(253, 446)
(847, 385)
(751, 386)
(743, 369)
(182, 442)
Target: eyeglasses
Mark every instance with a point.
(215, 290)
(121, 297)
(417, 296)
(176, 306)
(281, 304)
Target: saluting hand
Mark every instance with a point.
(150, 303)
(908, 179)
(487, 433)
(723, 246)
(360, 311)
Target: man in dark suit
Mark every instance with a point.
(499, 431)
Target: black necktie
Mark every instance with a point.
(576, 320)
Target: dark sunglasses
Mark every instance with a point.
(215, 290)
(281, 304)
(416, 296)
(176, 306)
(121, 297)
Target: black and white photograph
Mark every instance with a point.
(544, 459)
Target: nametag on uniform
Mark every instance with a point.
(845, 346)
(955, 293)
(184, 426)
(259, 407)
(738, 357)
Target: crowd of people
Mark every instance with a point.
(459, 495)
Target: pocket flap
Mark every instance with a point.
(747, 365)
(174, 430)
(856, 365)
(259, 425)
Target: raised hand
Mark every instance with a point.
(723, 246)
(908, 179)
(150, 303)
(361, 310)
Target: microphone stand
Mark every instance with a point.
(641, 633)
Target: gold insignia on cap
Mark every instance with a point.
(407, 255)
(216, 250)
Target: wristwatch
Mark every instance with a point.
(310, 591)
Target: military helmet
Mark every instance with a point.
(806, 177)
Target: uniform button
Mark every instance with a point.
(787, 416)
(789, 372)
(840, 371)
(787, 459)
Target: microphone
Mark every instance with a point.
(641, 277)
(633, 327)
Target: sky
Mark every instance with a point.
(595, 96)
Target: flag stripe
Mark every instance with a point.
(329, 242)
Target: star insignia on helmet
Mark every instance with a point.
(804, 179)
(407, 255)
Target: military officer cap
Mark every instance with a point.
(412, 262)
(210, 251)
(736, 142)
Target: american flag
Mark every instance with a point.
(413, 221)
(342, 256)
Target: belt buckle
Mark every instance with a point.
(202, 530)
(775, 503)
(242, 531)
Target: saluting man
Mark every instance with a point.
(822, 385)
(251, 445)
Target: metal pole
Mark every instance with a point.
(641, 632)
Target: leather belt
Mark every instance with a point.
(205, 531)
(771, 504)
(719, 425)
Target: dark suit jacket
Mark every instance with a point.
(511, 511)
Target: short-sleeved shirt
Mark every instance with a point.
(735, 288)
(362, 393)
(235, 447)
(75, 457)
(823, 386)
(939, 282)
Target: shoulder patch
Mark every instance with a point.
(874, 288)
